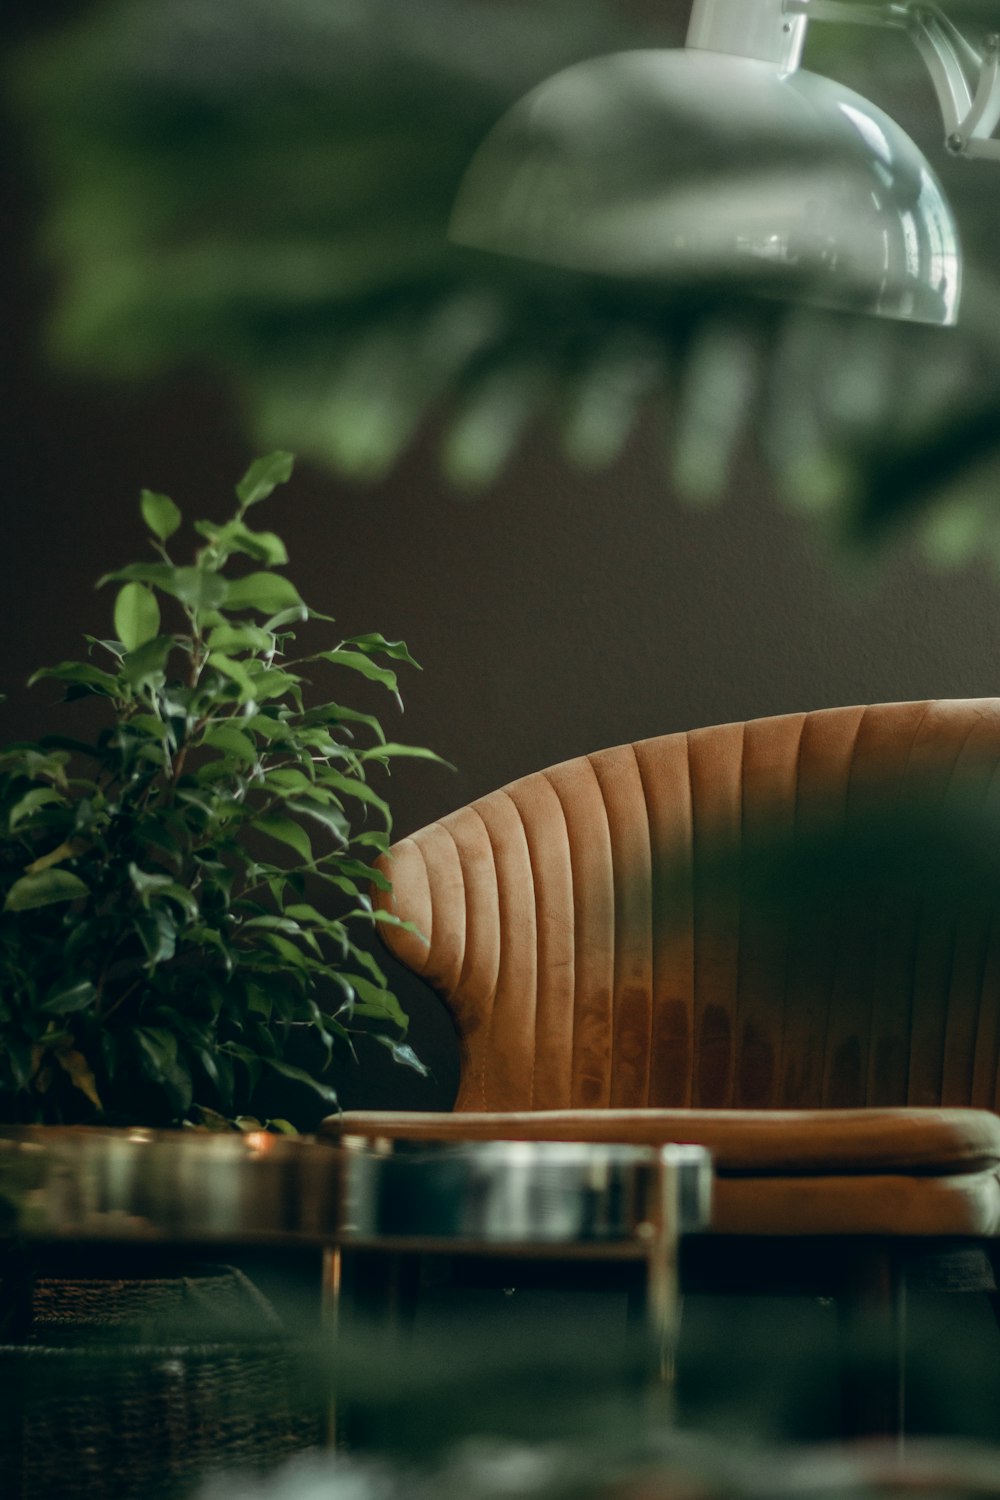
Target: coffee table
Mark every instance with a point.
(520, 1198)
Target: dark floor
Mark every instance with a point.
(562, 1356)
(536, 1364)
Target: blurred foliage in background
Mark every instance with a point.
(263, 192)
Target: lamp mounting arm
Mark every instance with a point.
(966, 79)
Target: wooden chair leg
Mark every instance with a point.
(872, 1329)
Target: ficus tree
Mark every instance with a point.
(181, 894)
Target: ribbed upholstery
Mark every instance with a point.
(602, 935)
(578, 935)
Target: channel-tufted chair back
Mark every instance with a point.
(588, 962)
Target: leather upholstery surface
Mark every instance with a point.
(748, 1142)
(604, 982)
(571, 938)
(846, 1204)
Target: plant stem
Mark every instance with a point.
(122, 998)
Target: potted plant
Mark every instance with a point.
(180, 894)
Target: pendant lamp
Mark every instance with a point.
(725, 159)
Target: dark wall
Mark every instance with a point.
(554, 615)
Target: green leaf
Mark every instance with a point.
(39, 796)
(291, 617)
(249, 1059)
(267, 728)
(288, 1070)
(331, 817)
(372, 838)
(183, 897)
(209, 937)
(353, 786)
(150, 725)
(160, 514)
(367, 961)
(79, 674)
(68, 849)
(375, 644)
(222, 769)
(68, 996)
(286, 832)
(402, 1053)
(335, 713)
(393, 750)
(16, 1055)
(163, 1065)
(358, 871)
(289, 779)
(267, 592)
(377, 1001)
(389, 919)
(242, 637)
(262, 546)
(160, 574)
(80, 1074)
(259, 1001)
(358, 662)
(227, 1080)
(158, 933)
(146, 663)
(265, 546)
(47, 888)
(157, 1043)
(153, 886)
(145, 884)
(263, 477)
(269, 921)
(204, 1056)
(236, 672)
(302, 911)
(137, 615)
(231, 742)
(198, 588)
(285, 949)
(272, 682)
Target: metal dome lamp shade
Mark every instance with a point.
(725, 159)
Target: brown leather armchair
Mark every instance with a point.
(839, 1057)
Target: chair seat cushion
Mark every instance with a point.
(944, 1206)
(862, 1171)
(796, 1142)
